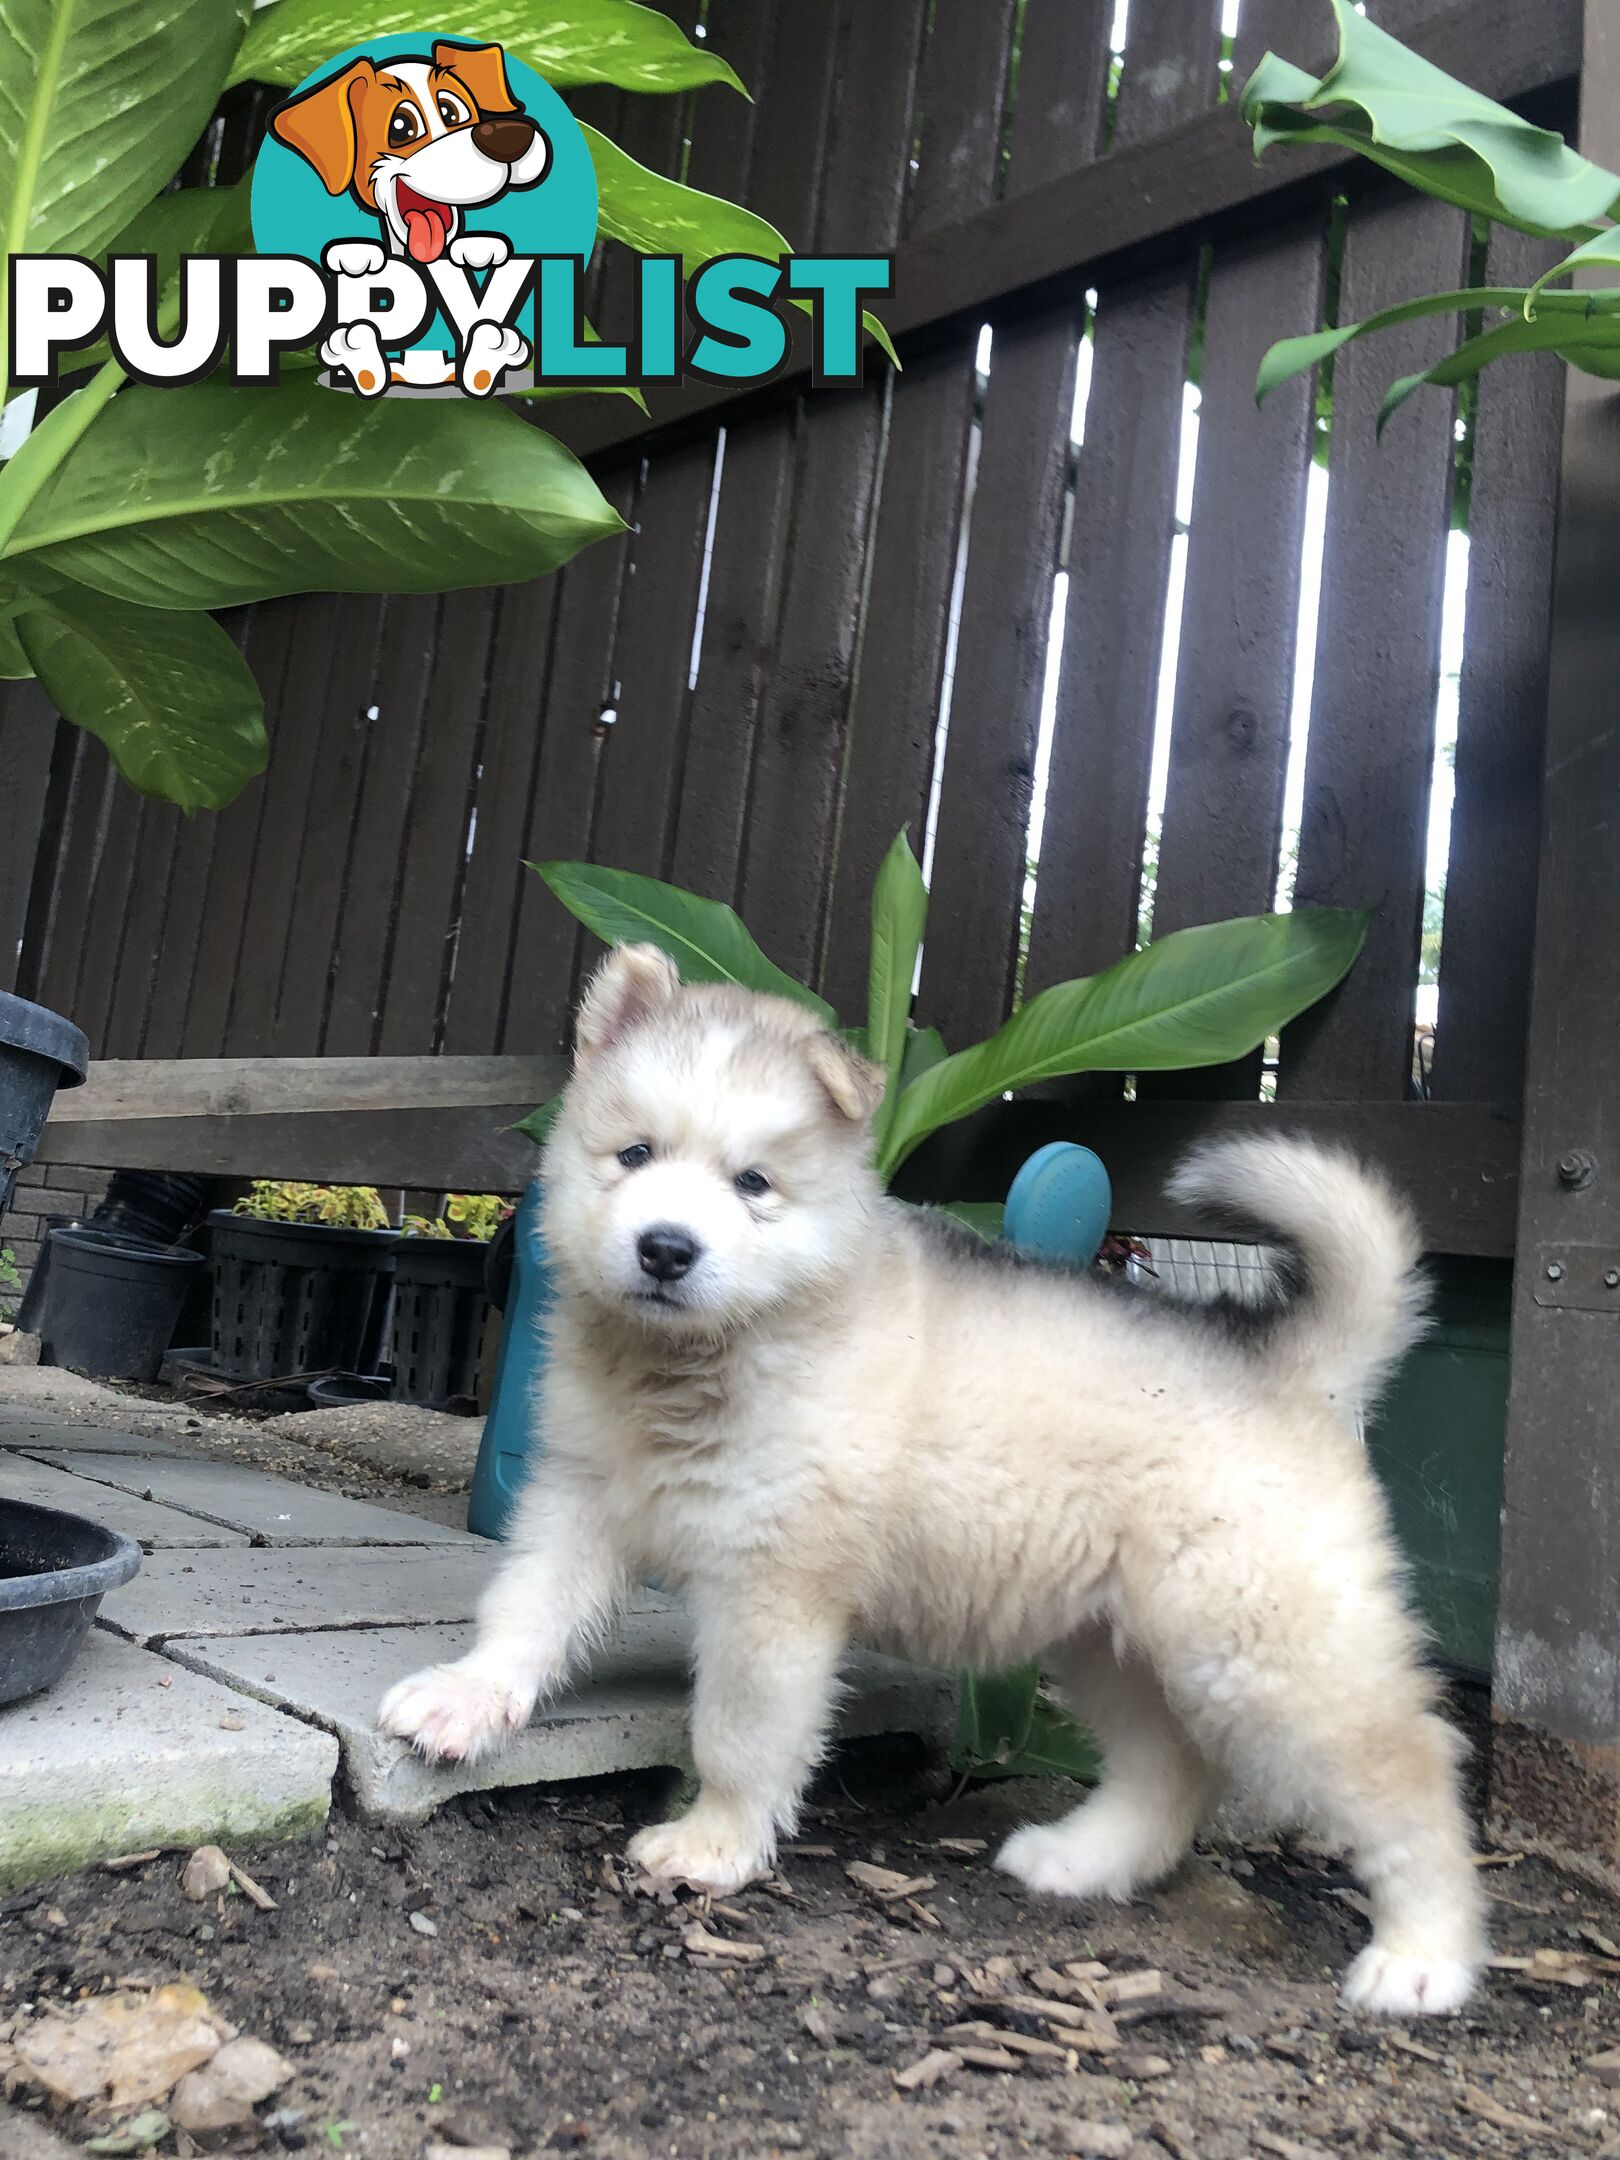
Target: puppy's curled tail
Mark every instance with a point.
(1352, 1300)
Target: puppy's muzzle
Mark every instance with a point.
(506, 139)
(667, 1252)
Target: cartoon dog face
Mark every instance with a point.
(417, 141)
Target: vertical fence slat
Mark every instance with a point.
(1489, 927)
(28, 728)
(546, 938)
(434, 850)
(1364, 830)
(407, 651)
(109, 915)
(341, 754)
(520, 662)
(146, 900)
(88, 794)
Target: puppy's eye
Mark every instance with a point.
(404, 127)
(632, 1158)
(752, 1183)
(451, 110)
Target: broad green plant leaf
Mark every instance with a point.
(705, 939)
(170, 695)
(537, 1125)
(1006, 1727)
(925, 1048)
(1197, 997)
(1602, 249)
(1293, 356)
(658, 216)
(899, 910)
(566, 41)
(1590, 343)
(982, 1217)
(99, 102)
(210, 495)
(1415, 120)
(187, 221)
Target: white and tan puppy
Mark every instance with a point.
(831, 1418)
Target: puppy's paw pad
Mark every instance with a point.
(491, 349)
(357, 349)
(450, 1714)
(1056, 1861)
(479, 251)
(705, 1857)
(1408, 1985)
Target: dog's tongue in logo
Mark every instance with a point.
(427, 224)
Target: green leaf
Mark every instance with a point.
(1006, 1727)
(1603, 247)
(15, 665)
(537, 1125)
(209, 495)
(566, 41)
(1590, 343)
(1198, 997)
(101, 101)
(658, 216)
(704, 938)
(982, 1217)
(187, 221)
(925, 1048)
(170, 695)
(1419, 122)
(899, 910)
(1292, 356)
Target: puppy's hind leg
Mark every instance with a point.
(1139, 1823)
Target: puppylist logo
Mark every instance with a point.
(424, 210)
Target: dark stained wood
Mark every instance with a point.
(146, 902)
(545, 937)
(28, 836)
(54, 980)
(520, 661)
(1185, 180)
(108, 917)
(1558, 1627)
(1489, 926)
(1364, 826)
(434, 848)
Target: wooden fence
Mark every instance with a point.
(744, 692)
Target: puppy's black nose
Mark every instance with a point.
(666, 1252)
(504, 139)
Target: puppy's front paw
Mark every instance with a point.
(1068, 1860)
(707, 1849)
(454, 1713)
(353, 258)
(357, 348)
(1408, 1984)
(479, 251)
(490, 351)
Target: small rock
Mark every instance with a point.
(398, 2048)
(944, 1976)
(423, 1925)
(569, 2136)
(223, 2093)
(323, 1975)
(818, 2024)
(1138, 2063)
(885, 1987)
(17, 1348)
(205, 1874)
(1605, 2067)
(1097, 2141)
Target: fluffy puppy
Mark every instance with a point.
(831, 1417)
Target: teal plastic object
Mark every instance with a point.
(509, 1429)
(1059, 1204)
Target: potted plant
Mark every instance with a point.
(39, 1052)
(440, 1306)
(301, 1275)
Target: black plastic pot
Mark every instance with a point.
(112, 1302)
(342, 1391)
(439, 1311)
(55, 1570)
(33, 1298)
(39, 1052)
(297, 1297)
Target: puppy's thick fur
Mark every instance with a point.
(832, 1417)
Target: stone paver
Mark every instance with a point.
(21, 1478)
(129, 1750)
(631, 1712)
(44, 1435)
(271, 1509)
(274, 1590)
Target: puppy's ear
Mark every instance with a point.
(854, 1083)
(481, 70)
(320, 125)
(633, 982)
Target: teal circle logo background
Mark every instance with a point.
(292, 214)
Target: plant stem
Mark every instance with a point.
(27, 472)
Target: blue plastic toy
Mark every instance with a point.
(1057, 1211)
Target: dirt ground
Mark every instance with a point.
(533, 2003)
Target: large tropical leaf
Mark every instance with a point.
(705, 939)
(99, 102)
(658, 216)
(1007, 1727)
(566, 41)
(1294, 355)
(1198, 997)
(1419, 122)
(899, 910)
(187, 221)
(170, 695)
(1590, 343)
(209, 495)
